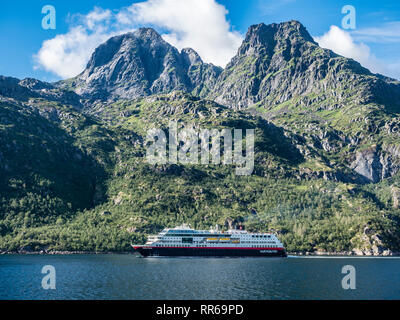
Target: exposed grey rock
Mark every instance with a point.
(139, 64)
(23, 90)
(131, 229)
(375, 165)
(367, 164)
(202, 75)
(278, 62)
(396, 197)
(34, 84)
(10, 87)
(231, 223)
(371, 244)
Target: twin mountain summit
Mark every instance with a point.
(73, 168)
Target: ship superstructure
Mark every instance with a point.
(185, 241)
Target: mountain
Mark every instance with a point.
(49, 167)
(139, 64)
(340, 108)
(327, 158)
(278, 62)
(22, 90)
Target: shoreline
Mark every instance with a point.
(61, 253)
(344, 254)
(297, 254)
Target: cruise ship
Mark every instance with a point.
(185, 241)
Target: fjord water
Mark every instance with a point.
(131, 277)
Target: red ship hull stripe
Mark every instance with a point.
(242, 248)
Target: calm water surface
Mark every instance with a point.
(132, 277)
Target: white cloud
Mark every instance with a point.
(201, 25)
(96, 16)
(342, 43)
(387, 33)
(66, 55)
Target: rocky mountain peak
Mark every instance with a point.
(23, 90)
(10, 87)
(35, 84)
(278, 62)
(148, 33)
(123, 45)
(139, 64)
(191, 57)
(262, 36)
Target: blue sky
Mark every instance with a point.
(24, 53)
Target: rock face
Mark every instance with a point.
(232, 224)
(280, 70)
(277, 62)
(22, 90)
(11, 88)
(140, 64)
(372, 245)
(374, 165)
(34, 84)
(262, 64)
(396, 197)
